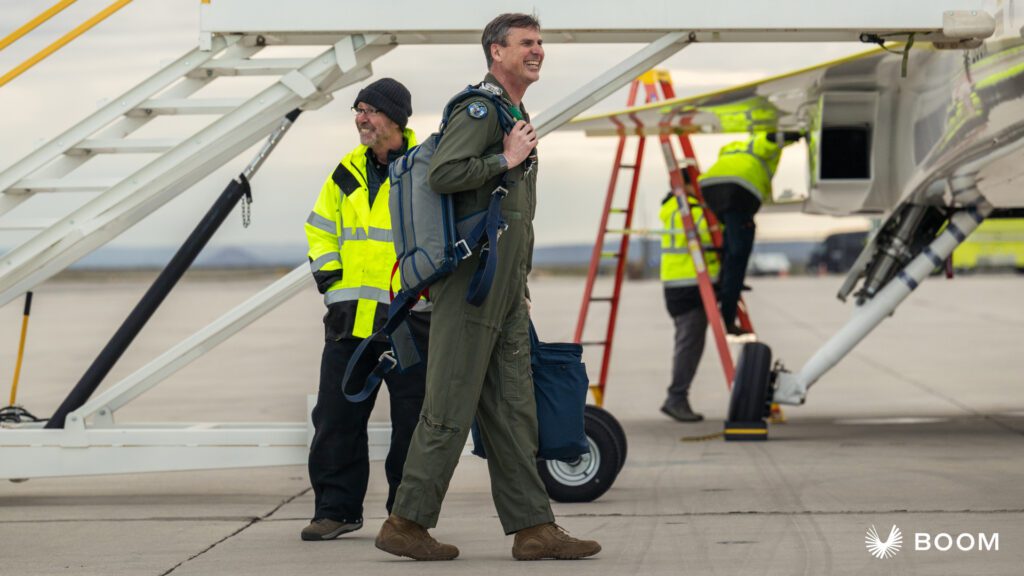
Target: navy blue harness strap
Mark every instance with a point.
(399, 310)
(483, 278)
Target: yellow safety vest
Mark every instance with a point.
(351, 251)
(750, 164)
(754, 114)
(677, 268)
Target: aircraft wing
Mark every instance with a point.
(784, 102)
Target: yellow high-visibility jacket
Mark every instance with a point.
(750, 164)
(677, 268)
(351, 252)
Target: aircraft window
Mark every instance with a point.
(846, 153)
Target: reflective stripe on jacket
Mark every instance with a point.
(351, 252)
(750, 164)
(677, 267)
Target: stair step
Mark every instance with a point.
(63, 185)
(124, 146)
(28, 224)
(249, 67)
(184, 106)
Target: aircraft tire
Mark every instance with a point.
(617, 431)
(749, 401)
(588, 477)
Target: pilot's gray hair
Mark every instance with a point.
(496, 31)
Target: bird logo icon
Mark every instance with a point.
(884, 549)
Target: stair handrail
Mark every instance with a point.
(60, 42)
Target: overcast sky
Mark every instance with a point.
(137, 41)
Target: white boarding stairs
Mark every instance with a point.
(122, 201)
(91, 442)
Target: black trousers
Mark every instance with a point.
(735, 207)
(339, 463)
(737, 244)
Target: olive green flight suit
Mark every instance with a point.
(479, 357)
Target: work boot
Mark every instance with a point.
(403, 537)
(327, 529)
(735, 330)
(551, 541)
(680, 410)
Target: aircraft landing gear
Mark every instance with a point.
(751, 399)
(588, 477)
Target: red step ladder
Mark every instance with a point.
(651, 82)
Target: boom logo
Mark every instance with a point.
(884, 549)
(927, 542)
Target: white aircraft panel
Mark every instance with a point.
(586, 20)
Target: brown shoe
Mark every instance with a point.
(551, 541)
(403, 537)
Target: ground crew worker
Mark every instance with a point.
(734, 189)
(479, 360)
(352, 255)
(683, 299)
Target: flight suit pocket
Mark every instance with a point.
(515, 365)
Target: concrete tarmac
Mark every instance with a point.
(921, 427)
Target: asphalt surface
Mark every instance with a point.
(922, 427)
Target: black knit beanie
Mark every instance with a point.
(390, 97)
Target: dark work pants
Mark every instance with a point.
(737, 243)
(691, 327)
(339, 463)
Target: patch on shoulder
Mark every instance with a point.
(477, 110)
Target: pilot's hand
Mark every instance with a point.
(519, 142)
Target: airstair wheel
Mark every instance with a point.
(588, 477)
(618, 432)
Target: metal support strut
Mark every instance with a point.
(791, 388)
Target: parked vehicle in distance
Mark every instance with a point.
(768, 264)
(837, 253)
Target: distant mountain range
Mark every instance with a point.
(649, 250)
(289, 256)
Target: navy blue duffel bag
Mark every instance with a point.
(560, 386)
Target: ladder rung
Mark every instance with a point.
(601, 299)
(619, 210)
(627, 166)
(28, 224)
(612, 255)
(594, 343)
(172, 106)
(125, 146)
(249, 67)
(63, 185)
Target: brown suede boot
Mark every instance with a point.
(551, 541)
(403, 537)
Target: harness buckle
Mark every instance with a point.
(500, 191)
(462, 249)
(388, 357)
